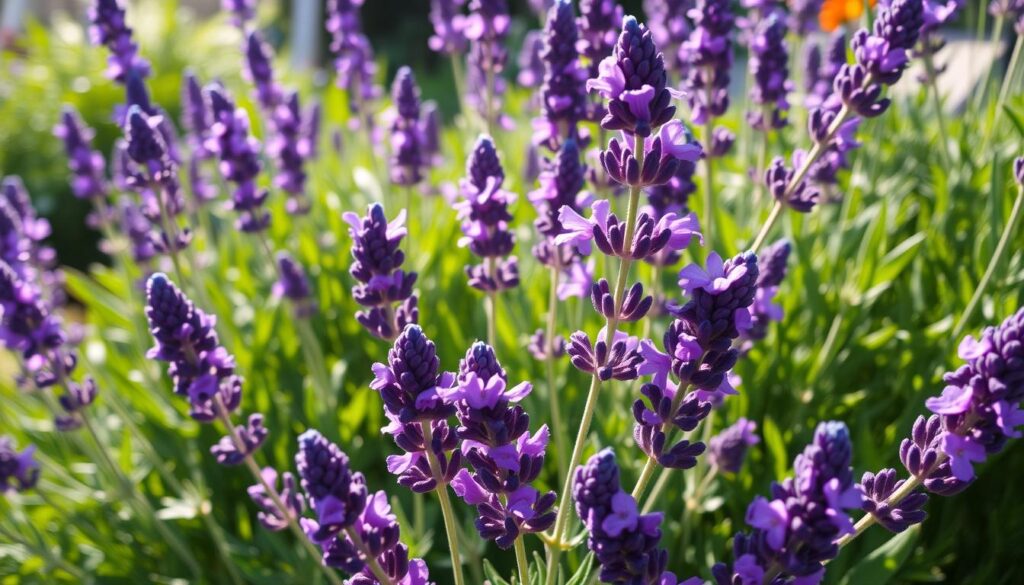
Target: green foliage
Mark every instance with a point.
(878, 278)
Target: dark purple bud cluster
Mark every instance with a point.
(494, 430)
(561, 185)
(377, 267)
(669, 233)
(563, 95)
(353, 59)
(821, 74)
(800, 197)
(486, 220)
(108, 27)
(624, 542)
(411, 386)
(270, 516)
(352, 526)
(197, 118)
(670, 27)
(698, 354)
(709, 57)
(772, 269)
(803, 16)
(769, 68)
(617, 358)
(153, 174)
(882, 56)
(294, 286)
(878, 487)
(259, 70)
(449, 27)
(531, 65)
(240, 11)
(18, 471)
(407, 148)
(239, 152)
(795, 531)
(634, 305)
(728, 449)
(539, 348)
(86, 165)
(487, 28)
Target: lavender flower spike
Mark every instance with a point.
(795, 531)
(563, 94)
(407, 148)
(294, 286)
(728, 449)
(108, 27)
(449, 27)
(486, 218)
(18, 471)
(86, 165)
(769, 68)
(377, 266)
(239, 153)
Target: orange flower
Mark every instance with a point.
(835, 13)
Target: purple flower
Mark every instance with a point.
(796, 529)
(290, 147)
(200, 368)
(449, 27)
(769, 68)
(86, 165)
(241, 11)
(412, 388)
(239, 152)
(406, 131)
(270, 516)
(485, 220)
(294, 286)
(259, 70)
(494, 431)
(662, 155)
(487, 28)
(531, 65)
(337, 495)
(561, 185)
(563, 95)
(353, 59)
(196, 119)
(668, 23)
(650, 237)
(800, 197)
(772, 269)
(108, 27)
(896, 517)
(624, 542)
(616, 358)
(709, 57)
(18, 471)
(803, 16)
(728, 448)
(633, 80)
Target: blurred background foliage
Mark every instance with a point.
(877, 281)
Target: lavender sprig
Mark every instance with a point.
(18, 471)
(563, 94)
(407, 148)
(108, 26)
(239, 152)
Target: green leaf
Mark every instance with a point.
(492, 574)
(776, 447)
(882, 564)
(582, 576)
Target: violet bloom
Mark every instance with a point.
(30, 329)
(239, 152)
(487, 28)
(86, 165)
(18, 471)
(531, 65)
(270, 516)
(197, 118)
(795, 531)
(486, 220)
(430, 123)
(407, 162)
(108, 27)
(561, 185)
(772, 271)
(412, 388)
(667, 19)
(538, 346)
(803, 16)
(154, 176)
(709, 54)
(624, 541)
(769, 69)
(290, 148)
(377, 267)
(294, 286)
(698, 355)
(728, 449)
(259, 70)
(494, 430)
(599, 25)
(353, 60)
(449, 27)
(563, 95)
(820, 74)
(139, 229)
(240, 11)
(937, 14)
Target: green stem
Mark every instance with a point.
(370, 560)
(317, 366)
(940, 115)
(565, 504)
(450, 525)
(557, 424)
(997, 256)
(997, 33)
(708, 227)
(46, 554)
(522, 561)
(275, 498)
(1011, 71)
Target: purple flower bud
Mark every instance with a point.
(294, 286)
(241, 11)
(259, 70)
(289, 147)
(803, 16)
(108, 27)
(721, 142)
(563, 95)
(663, 153)
(270, 516)
(531, 65)
(406, 132)
(778, 177)
(728, 448)
(539, 348)
(634, 305)
(18, 471)
(670, 27)
(354, 61)
(449, 27)
(619, 362)
(86, 165)
(337, 495)
(769, 68)
(898, 517)
(251, 435)
(239, 153)
(599, 22)
(1018, 170)
(709, 56)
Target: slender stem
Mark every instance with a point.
(997, 33)
(940, 114)
(645, 477)
(450, 525)
(459, 77)
(708, 223)
(317, 365)
(1011, 71)
(522, 561)
(997, 256)
(557, 424)
(170, 235)
(371, 561)
(44, 552)
(659, 486)
(767, 226)
(489, 90)
(275, 498)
